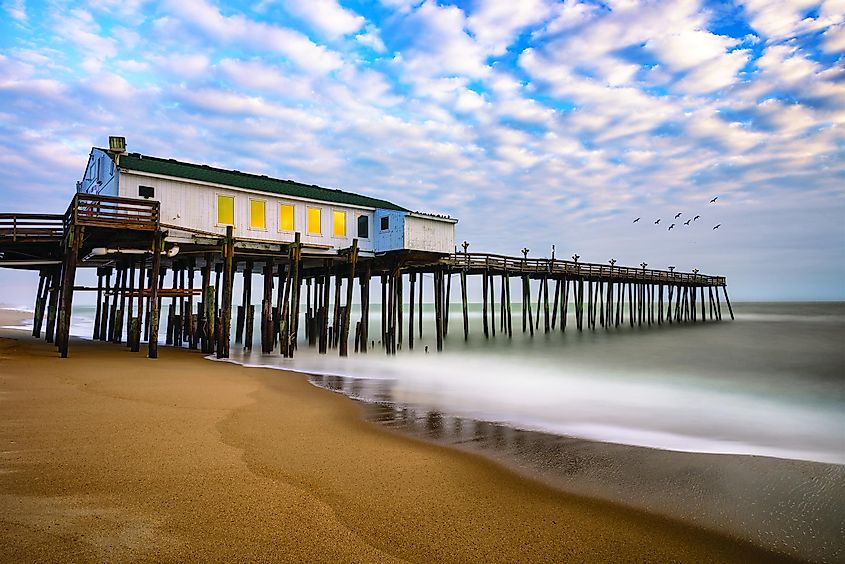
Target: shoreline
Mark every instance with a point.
(766, 501)
(174, 452)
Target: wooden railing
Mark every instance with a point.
(31, 227)
(113, 212)
(480, 261)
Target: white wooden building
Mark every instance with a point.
(201, 199)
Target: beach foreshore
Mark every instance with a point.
(109, 456)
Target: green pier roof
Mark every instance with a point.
(237, 179)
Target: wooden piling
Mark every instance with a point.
(267, 308)
(352, 260)
(296, 272)
(400, 298)
(228, 279)
(728, 301)
(412, 280)
(249, 327)
(484, 291)
(365, 309)
(131, 311)
(448, 299)
(492, 305)
(73, 243)
(324, 318)
(564, 312)
(507, 283)
(53, 304)
(555, 304)
(41, 302)
(336, 315)
(546, 319)
(36, 324)
(152, 342)
(464, 303)
(438, 307)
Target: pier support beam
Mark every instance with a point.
(228, 278)
(728, 301)
(464, 304)
(352, 260)
(72, 245)
(155, 304)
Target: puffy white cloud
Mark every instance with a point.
(327, 17)
(372, 39)
(785, 19)
(495, 23)
(440, 45)
(833, 40)
(238, 29)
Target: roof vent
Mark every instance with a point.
(117, 144)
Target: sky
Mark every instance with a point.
(535, 122)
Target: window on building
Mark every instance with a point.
(225, 210)
(146, 191)
(385, 223)
(363, 227)
(257, 217)
(286, 222)
(315, 221)
(339, 224)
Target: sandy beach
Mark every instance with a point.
(109, 456)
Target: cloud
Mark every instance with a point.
(372, 39)
(495, 23)
(327, 17)
(16, 10)
(778, 21)
(439, 45)
(238, 29)
(833, 40)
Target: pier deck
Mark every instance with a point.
(133, 252)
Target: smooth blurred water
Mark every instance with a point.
(770, 383)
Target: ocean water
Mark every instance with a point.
(770, 383)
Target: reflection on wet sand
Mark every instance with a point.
(785, 505)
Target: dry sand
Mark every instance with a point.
(109, 456)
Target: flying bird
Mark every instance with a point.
(713, 201)
(677, 215)
(696, 218)
(670, 227)
(656, 222)
(717, 227)
(636, 220)
(687, 222)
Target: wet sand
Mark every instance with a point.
(109, 456)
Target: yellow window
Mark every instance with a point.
(314, 221)
(286, 217)
(257, 219)
(225, 210)
(339, 224)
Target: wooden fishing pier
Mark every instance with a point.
(141, 262)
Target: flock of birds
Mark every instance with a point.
(687, 222)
